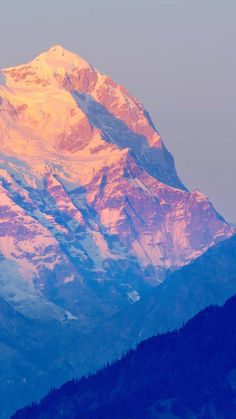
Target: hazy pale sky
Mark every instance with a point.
(176, 56)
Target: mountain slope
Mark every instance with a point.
(51, 352)
(36, 355)
(209, 279)
(189, 373)
(89, 194)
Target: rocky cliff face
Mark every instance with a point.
(92, 210)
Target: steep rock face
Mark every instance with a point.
(92, 208)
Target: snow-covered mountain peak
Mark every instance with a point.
(49, 69)
(88, 190)
(58, 57)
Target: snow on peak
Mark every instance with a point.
(50, 68)
(58, 57)
(85, 177)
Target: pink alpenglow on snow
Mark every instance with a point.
(89, 191)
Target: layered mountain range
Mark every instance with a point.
(92, 210)
(101, 244)
(188, 373)
(37, 355)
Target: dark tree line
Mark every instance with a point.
(187, 370)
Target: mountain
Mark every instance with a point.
(93, 219)
(93, 213)
(209, 279)
(187, 373)
(37, 355)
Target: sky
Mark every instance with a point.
(176, 56)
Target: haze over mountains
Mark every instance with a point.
(188, 373)
(93, 218)
(38, 355)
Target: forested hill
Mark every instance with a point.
(188, 373)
